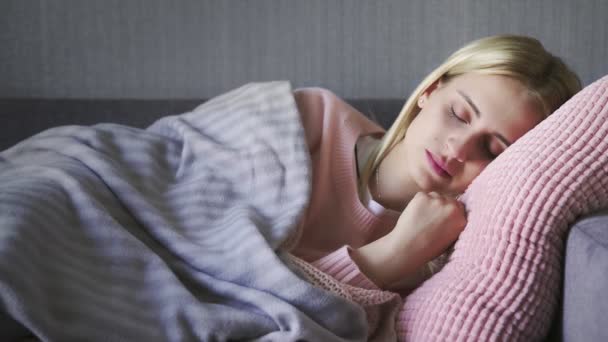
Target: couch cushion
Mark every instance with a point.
(585, 282)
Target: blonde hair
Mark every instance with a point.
(546, 76)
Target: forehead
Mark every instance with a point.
(504, 104)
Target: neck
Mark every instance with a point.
(393, 188)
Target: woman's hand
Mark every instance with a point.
(426, 228)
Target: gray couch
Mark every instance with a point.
(583, 308)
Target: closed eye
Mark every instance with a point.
(492, 149)
(490, 154)
(454, 115)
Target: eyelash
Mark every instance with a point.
(491, 155)
(453, 114)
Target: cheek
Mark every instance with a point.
(412, 134)
(426, 126)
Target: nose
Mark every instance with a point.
(458, 147)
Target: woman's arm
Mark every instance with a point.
(426, 228)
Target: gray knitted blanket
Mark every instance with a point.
(111, 233)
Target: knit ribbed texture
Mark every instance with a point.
(342, 268)
(503, 280)
(335, 216)
(380, 306)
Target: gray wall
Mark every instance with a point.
(198, 49)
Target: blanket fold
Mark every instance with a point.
(169, 233)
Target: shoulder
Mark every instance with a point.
(316, 101)
(316, 92)
(320, 97)
(324, 112)
(326, 105)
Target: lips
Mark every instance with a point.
(436, 166)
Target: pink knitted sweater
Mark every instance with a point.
(335, 216)
(502, 280)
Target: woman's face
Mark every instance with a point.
(462, 126)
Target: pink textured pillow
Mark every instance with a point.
(503, 280)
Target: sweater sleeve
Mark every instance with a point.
(341, 267)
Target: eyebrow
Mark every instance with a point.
(478, 114)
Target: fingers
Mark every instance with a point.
(434, 194)
(444, 199)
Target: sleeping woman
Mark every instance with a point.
(384, 204)
(184, 230)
